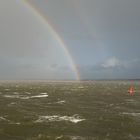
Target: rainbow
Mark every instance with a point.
(61, 42)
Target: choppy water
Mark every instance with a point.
(91, 110)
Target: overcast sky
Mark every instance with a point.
(103, 38)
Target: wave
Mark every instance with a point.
(27, 92)
(44, 93)
(64, 137)
(4, 119)
(8, 121)
(55, 118)
(132, 114)
(61, 102)
(77, 138)
(41, 95)
(12, 96)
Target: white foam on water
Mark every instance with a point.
(10, 122)
(12, 96)
(4, 119)
(25, 97)
(17, 123)
(111, 105)
(59, 137)
(132, 114)
(74, 119)
(76, 138)
(134, 137)
(44, 93)
(61, 102)
(16, 96)
(39, 96)
(27, 92)
(11, 104)
(70, 137)
(7, 89)
(16, 93)
(131, 101)
(36, 96)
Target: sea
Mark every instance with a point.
(69, 110)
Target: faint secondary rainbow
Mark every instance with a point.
(45, 21)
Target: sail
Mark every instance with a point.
(131, 90)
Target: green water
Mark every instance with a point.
(90, 110)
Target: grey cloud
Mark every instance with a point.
(110, 63)
(112, 68)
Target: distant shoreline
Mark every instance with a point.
(83, 80)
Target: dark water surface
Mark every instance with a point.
(90, 110)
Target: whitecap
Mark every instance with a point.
(74, 119)
(76, 138)
(12, 96)
(133, 137)
(43, 93)
(27, 92)
(59, 137)
(39, 96)
(61, 102)
(137, 114)
(17, 123)
(25, 97)
(16, 96)
(36, 96)
(111, 105)
(4, 119)
(7, 89)
(130, 100)
(11, 104)
(16, 93)
(10, 122)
